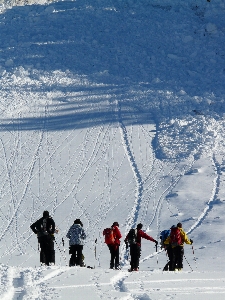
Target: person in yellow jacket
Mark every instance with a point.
(178, 250)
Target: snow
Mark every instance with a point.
(112, 111)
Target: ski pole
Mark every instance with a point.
(95, 251)
(194, 256)
(127, 250)
(188, 263)
(128, 254)
(64, 250)
(95, 248)
(156, 252)
(61, 252)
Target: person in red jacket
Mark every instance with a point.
(114, 248)
(135, 246)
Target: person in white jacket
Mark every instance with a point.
(76, 236)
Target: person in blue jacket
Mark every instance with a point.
(76, 236)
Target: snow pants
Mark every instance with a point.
(76, 258)
(169, 265)
(115, 256)
(135, 254)
(178, 253)
(47, 254)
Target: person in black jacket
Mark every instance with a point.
(135, 246)
(45, 229)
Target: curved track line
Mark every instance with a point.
(137, 175)
(213, 198)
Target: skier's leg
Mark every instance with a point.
(79, 254)
(111, 256)
(180, 254)
(117, 257)
(174, 258)
(51, 251)
(73, 256)
(138, 255)
(132, 256)
(170, 256)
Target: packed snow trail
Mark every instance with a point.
(50, 282)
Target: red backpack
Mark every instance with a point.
(175, 238)
(109, 236)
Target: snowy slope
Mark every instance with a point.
(112, 111)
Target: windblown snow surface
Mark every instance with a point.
(112, 110)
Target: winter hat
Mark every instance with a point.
(139, 226)
(116, 224)
(78, 221)
(45, 214)
(179, 225)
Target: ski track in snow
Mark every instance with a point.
(139, 184)
(214, 196)
(85, 159)
(17, 205)
(92, 160)
(31, 282)
(34, 283)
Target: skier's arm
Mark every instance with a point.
(33, 228)
(118, 233)
(147, 237)
(68, 234)
(52, 226)
(185, 238)
(83, 234)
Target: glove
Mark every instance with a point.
(126, 244)
(156, 243)
(191, 241)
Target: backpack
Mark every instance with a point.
(175, 238)
(109, 236)
(132, 236)
(44, 227)
(164, 235)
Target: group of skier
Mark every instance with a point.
(45, 230)
(172, 242)
(132, 240)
